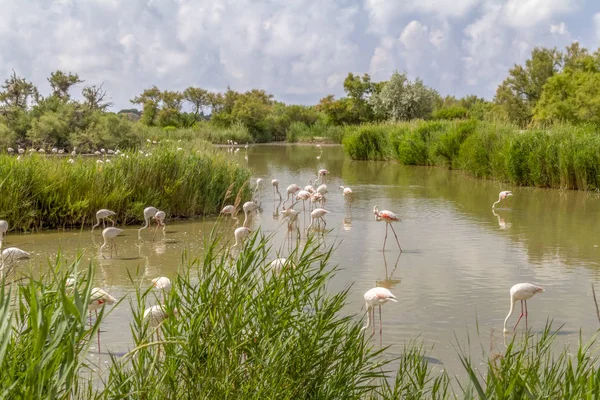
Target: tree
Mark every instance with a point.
(358, 90)
(150, 101)
(338, 112)
(170, 112)
(400, 99)
(198, 98)
(61, 83)
(519, 93)
(17, 92)
(94, 98)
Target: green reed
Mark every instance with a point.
(49, 192)
(562, 156)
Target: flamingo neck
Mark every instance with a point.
(494, 205)
(510, 312)
(368, 318)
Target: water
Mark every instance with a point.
(451, 281)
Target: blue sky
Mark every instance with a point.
(299, 50)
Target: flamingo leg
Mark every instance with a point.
(397, 241)
(103, 223)
(520, 316)
(380, 323)
(324, 223)
(385, 238)
(113, 222)
(115, 243)
(525, 314)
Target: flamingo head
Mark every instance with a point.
(376, 211)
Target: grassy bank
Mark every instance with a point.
(49, 192)
(564, 156)
(241, 331)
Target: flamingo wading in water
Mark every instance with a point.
(317, 214)
(109, 234)
(521, 292)
(275, 183)
(229, 209)
(376, 297)
(3, 230)
(248, 208)
(103, 215)
(501, 196)
(98, 298)
(149, 212)
(388, 217)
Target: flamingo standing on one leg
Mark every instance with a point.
(98, 298)
(291, 190)
(103, 215)
(275, 183)
(521, 292)
(109, 234)
(318, 214)
(149, 212)
(388, 217)
(501, 196)
(376, 297)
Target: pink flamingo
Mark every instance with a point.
(521, 292)
(321, 175)
(388, 217)
(318, 214)
(376, 297)
(504, 194)
(291, 190)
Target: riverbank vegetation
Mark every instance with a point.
(52, 192)
(237, 329)
(550, 87)
(560, 156)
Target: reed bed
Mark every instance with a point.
(49, 192)
(563, 156)
(237, 329)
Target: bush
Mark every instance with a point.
(450, 113)
(368, 142)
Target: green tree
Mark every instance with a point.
(518, 94)
(150, 101)
(61, 83)
(400, 99)
(198, 98)
(17, 92)
(94, 98)
(359, 89)
(338, 112)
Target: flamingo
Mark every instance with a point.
(14, 253)
(258, 189)
(321, 175)
(98, 298)
(303, 195)
(521, 292)
(346, 191)
(504, 194)
(240, 234)
(109, 234)
(162, 283)
(229, 209)
(316, 214)
(103, 214)
(275, 183)
(159, 217)
(155, 315)
(279, 264)
(388, 217)
(322, 190)
(376, 297)
(3, 230)
(309, 188)
(248, 207)
(291, 190)
(149, 212)
(291, 214)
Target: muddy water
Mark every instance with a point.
(452, 280)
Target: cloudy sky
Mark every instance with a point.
(299, 50)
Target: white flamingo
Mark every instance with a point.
(103, 215)
(3, 230)
(229, 209)
(521, 292)
(98, 298)
(109, 234)
(240, 234)
(321, 175)
(291, 190)
(149, 212)
(248, 208)
(376, 297)
(388, 217)
(275, 183)
(318, 214)
(501, 196)
(159, 217)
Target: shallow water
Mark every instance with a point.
(452, 280)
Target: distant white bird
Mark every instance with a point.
(41, 151)
(346, 191)
(21, 151)
(3, 230)
(103, 214)
(71, 161)
(258, 189)
(109, 235)
(73, 153)
(275, 183)
(321, 175)
(99, 162)
(303, 195)
(292, 215)
(149, 212)
(501, 196)
(97, 153)
(376, 297)
(318, 214)
(521, 292)
(54, 150)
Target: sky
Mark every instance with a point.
(298, 50)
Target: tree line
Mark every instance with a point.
(551, 86)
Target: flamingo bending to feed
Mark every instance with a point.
(501, 196)
(149, 212)
(248, 208)
(347, 192)
(318, 214)
(109, 234)
(291, 214)
(3, 230)
(275, 183)
(240, 234)
(388, 217)
(229, 210)
(159, 217)
(309, 188)
(303, 195)
(162, 283)
(376, 297)
(291, 190)
(155, 315)
(98, 298)
(321, 175)
(258, 189)
(521, 292)
(103, 215)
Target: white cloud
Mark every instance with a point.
(528, 13)
(560, 29)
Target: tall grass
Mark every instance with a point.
(201, 131)
(46, 192)
(564, 156)
(319, 131)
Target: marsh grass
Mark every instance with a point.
(562, 156)
(319, 131)
(47, 192)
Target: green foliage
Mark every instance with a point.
(449, 142)
(368, 142)
(46, 192)
(454, 112)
